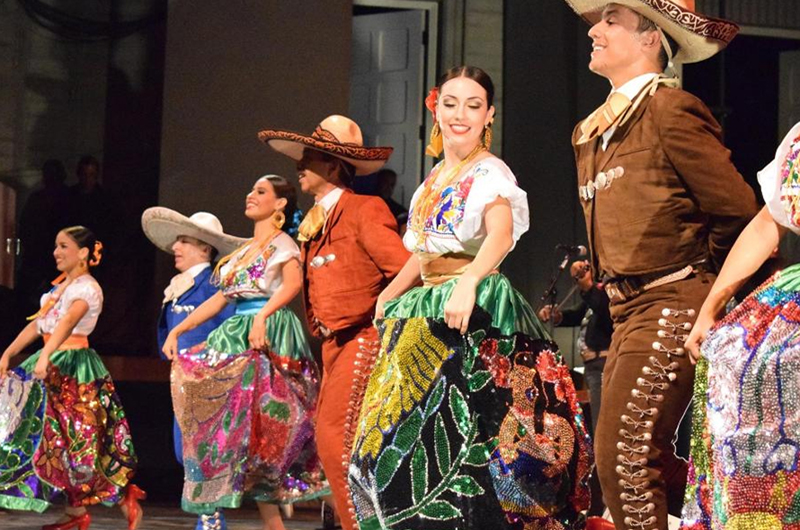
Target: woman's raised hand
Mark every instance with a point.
(258, 335)
(170, 348)
(40, 370)
(698, 334)
(458, 308)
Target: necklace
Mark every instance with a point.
(60, 285)
(255, 249)
(429, 197)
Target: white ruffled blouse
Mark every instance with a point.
(264, 275)
(780, 182)
(82, 288)
(456, 224)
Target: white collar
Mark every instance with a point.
(330, 199)
(194, 270)
(632, 88)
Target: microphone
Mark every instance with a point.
(577, 250)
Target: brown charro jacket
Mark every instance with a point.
(361, 252)
(679, 199)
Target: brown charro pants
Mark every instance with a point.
(647, 387)
(339, 354)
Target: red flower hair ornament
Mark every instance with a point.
(434, 148)
(430, 101)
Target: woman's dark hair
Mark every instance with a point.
(470, 72)
(285, 190)
(84, 238)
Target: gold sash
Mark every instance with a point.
(436, 269)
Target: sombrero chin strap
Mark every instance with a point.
(670, 69)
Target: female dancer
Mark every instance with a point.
(468, 419)
(245, 398)
(62, 426)
(746, 425)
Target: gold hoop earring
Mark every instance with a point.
(487, 136)
(278, 219)
(435, 146)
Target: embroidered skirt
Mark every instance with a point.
(475, 431)
(247, 416)
(745, 449)
(66, 434)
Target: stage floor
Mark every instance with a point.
(157, 518)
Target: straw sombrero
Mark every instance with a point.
(162, 226)
(336, 135)
(698, 36)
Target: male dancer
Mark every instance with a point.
(195, 242)
(663, 206)
(350, 251)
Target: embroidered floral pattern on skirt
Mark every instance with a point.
(475, 431)
(247, 416)
(66, 434)
(746, 430)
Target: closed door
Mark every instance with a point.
(8, 237)
(386, 97)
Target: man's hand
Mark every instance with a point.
(581, 272)
(548, 312)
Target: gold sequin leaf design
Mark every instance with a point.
(399, 380)
(203, 397)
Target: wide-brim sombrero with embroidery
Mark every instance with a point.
(698, 36)
(162, 226)
(336, 135)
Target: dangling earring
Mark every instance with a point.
(278, 218)
(435, 147)
(487, 136)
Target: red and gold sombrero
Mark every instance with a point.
(336, 135)
(698, 36)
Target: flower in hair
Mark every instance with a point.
(430, 101)
(98, 254)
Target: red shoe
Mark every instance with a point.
(598, 523)
(131, 504)
(81, 522)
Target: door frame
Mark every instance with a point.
(431, 9)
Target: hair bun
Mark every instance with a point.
(97, 254)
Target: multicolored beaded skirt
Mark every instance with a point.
(247, 416)
(743, 471)
(476, 431)
(66, 434)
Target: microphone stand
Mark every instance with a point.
(550, 296)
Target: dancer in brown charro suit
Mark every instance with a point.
(663, 206)
(350, 251)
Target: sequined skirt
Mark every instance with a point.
(66, 434)
(475, 431)
(247, 416)
(745, 451)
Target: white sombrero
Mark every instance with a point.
(698, 36)
(162, 226)
(336, 135)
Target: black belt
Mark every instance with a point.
(628, 287)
